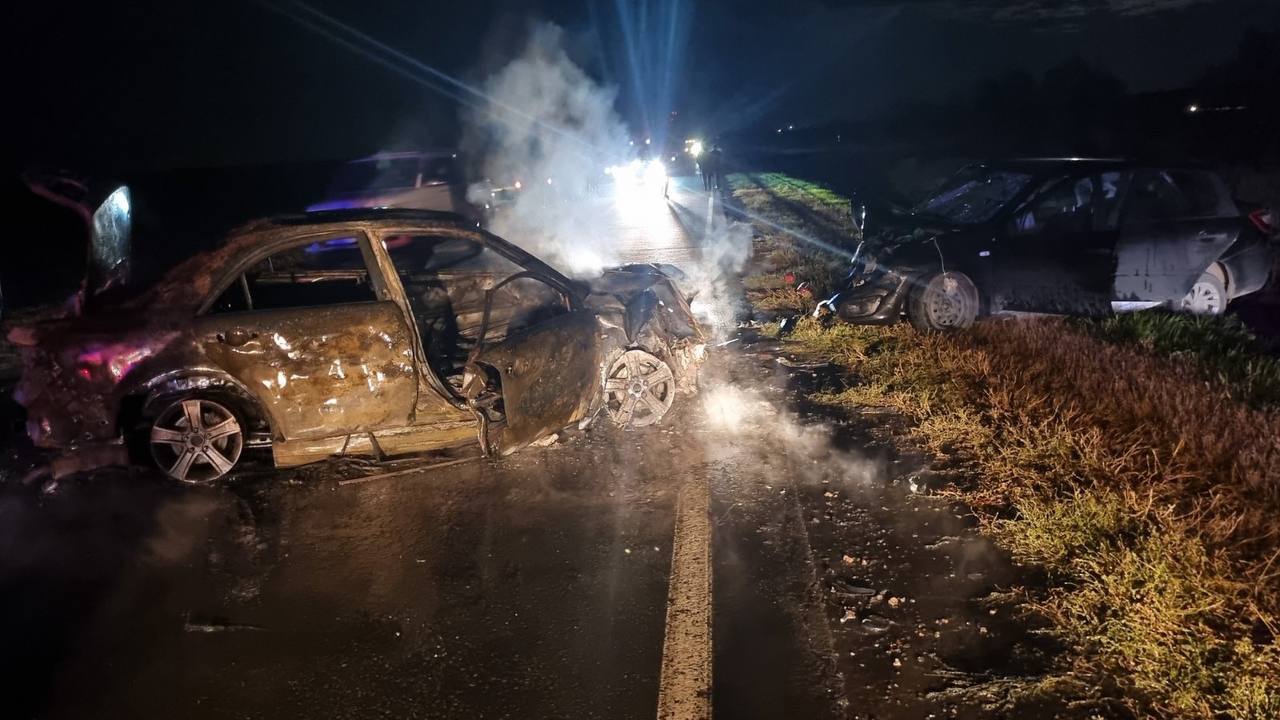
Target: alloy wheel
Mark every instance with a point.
(638, 389)
(196, 440)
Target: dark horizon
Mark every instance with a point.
(164, 87)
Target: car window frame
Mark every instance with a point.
(1047, 186)
(238, 268)
(526, 262)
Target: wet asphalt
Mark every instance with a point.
(529, 587)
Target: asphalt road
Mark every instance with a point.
(687, 570)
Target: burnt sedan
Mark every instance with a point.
(1081, 237)
(377, 332)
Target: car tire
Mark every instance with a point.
(196, 439)
(1208, 296)
(942, 302)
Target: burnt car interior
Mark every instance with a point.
(451, 282)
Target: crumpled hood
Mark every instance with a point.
(906, 245)
(639, 291)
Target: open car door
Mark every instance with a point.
(544, 357)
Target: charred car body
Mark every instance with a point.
(354, 332)
(1082, 237)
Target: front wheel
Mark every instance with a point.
(639, 389)
(943, 301)
(196, 440)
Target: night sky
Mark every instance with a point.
(165, 84)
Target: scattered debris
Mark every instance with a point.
(876, 624)
(416, 468)
(547, 441)
(787, 325)
(803, 365)
(216, 626)
(842, 586)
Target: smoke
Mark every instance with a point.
(548, 125)
(734, 411)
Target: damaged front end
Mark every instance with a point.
(882, 273)
(626, 352)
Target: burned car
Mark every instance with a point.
(1080, 237)
(377, 332)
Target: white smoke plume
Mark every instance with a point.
(547, 124)
(551, 127)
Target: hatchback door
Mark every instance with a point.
(1175, 225)
(309, 331)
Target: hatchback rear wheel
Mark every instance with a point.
(1207, 297)
(196, 440)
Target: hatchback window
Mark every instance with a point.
(1067, 207)
(1153, 196)
(324, 272)
(1204, 194)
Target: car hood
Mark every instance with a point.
(911, 241)
(640, 291)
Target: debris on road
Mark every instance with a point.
(547, 441)
(217, 626)
(406, 471)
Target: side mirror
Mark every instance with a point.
(858, 212)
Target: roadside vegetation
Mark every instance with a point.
(1136, 459)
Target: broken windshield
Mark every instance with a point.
(974, 195)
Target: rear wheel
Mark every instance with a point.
(1207, 297)
(196, 440)
(943, 301)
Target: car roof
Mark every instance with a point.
(1042, 166)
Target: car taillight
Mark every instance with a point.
(1264, 220)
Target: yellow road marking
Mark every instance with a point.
(684, 687)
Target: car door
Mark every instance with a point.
(1174, 225)
(548, 363)
(311, 332)
(479, 311)
(1058, 254)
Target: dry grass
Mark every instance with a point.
(1137, 459)
(1147, 491)
(795, 224)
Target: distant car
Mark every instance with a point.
(1081, 237)
(419, 180)
(354, 332)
